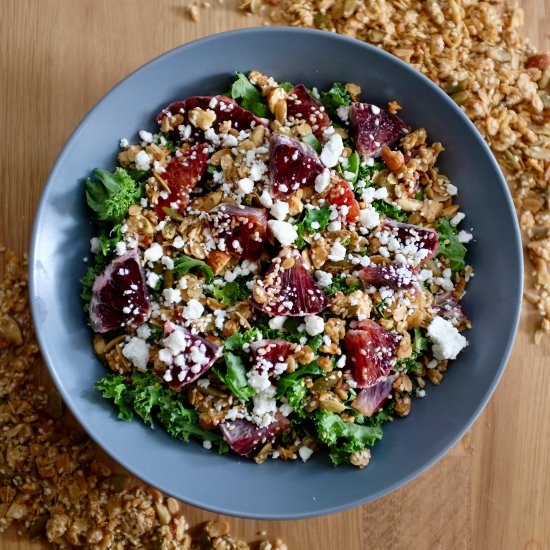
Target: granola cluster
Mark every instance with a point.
(475, 52)
(52, 486)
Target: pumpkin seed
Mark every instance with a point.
(460, 97)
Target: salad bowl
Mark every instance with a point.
(233, 485)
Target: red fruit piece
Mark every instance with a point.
(186, 355)
(292, 164)
(370, 352)
(396, 276)
(341, 194)
(270, 355)
(239, 230)
(181, 175)
(371, 399)
(288, 291)
(244, 436)
(423, 239)
(224, 107)
(303, 108)
(374, 128)
(447, 307)
(120, 296)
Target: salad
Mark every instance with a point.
(276, 271)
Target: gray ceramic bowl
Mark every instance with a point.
(276, 490)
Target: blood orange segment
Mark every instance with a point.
(120, 296)
(239, 230)
(288, 290)
(304, 109)
(181, 175)
(292, 165)
(244, 436)
(341, 195)
(370, 352)
(374, 128)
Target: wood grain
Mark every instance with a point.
(492, 491)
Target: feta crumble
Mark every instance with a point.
(447, 342)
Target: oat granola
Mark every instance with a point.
(475, 52)
(53, 487)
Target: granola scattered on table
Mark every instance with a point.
(277, 271)
(52, 484)
(475, 52)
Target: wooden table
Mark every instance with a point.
(57, 58)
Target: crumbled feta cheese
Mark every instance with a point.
(120, 248)
(207, 444)
(314, 325)
(152, 279)
(137, 351)
(381, 193)
(124, 143)
(375, 109)
(178, 242)
(95, 245)
(464, 237)
(451, 189)
(167, 262)
(279, 210)
(369, 218)
(447, 342)
(230, 141)
(336, 225)
(305, 453)
(276, 323)
(343, 112)
(323, 278)
(425, 274)
(153, 253)
(245, 185)
(171, 295)
(322, 181)
(147, 137)
(457, 218)
(337, 252)
(193, 310)
(143, 161)
(266, 199)
(284, 232)
(332, 151)
(143, 331)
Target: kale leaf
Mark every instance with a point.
(389, 210)
(235, 377)
(110, 195)
(315, 220)
(144, 394)
(449, 245)
(250, 97)
(339, 285)
(183, 264)
(336, 97)
(231, 293)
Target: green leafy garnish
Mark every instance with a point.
(144, 394)
(344, 437)
(449, 245)
(250, 97)
(293, 387)
(231, 293)
(211, 169)
(110, 195)
(183, 264)
(339, 285)
(286, 86)
(313, 141)
(352, 171)
(113, 386)
(236, 341)
(389, 210)
(336, 97)
(235, 377)
(315, 220)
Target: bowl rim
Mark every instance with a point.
(49, 358)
